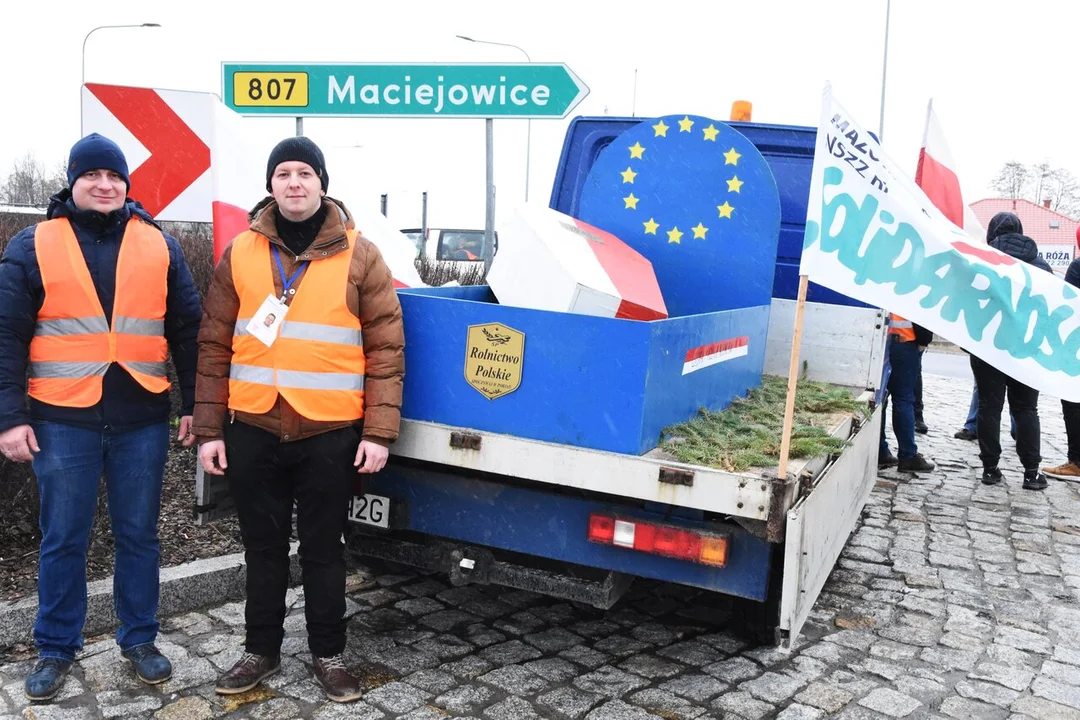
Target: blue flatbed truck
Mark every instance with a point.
(561, 508)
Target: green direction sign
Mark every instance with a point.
(519, 90)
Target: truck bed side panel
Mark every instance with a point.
(819, 525)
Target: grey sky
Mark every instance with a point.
(1000, 74)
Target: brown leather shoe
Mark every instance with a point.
(249, 671)
(339, 684)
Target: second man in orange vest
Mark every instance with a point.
(299, 389)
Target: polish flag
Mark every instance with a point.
(238, 169)
(238, 178)
(551, 261)
(717, 352)
(936, 175)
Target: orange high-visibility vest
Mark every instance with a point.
(902, 328)
(317, 362)
(73, 344)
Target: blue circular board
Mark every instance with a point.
(695, 197)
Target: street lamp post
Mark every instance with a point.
(100, 27)
(528, 131)
(884, 68)
(104, 27)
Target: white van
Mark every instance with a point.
(454, 253)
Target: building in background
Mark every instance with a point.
(1054, 233)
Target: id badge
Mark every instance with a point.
(267, 320)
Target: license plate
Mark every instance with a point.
(370, 510)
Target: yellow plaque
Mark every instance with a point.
(493, 357)
(270, 89)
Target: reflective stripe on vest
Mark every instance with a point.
(73, 345)
(902, 328)
(317, 362)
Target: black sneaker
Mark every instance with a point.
(915, 464)
(992, 476)
(921, 427)
(965, 434)
(886, 461)
(1034, 480)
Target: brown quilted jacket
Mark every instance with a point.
(370, 295)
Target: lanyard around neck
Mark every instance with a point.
(286, 283)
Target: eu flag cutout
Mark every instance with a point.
(695, 197)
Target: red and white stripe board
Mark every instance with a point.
(707, 355)
(166, 136)
(550, 261)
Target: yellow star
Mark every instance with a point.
(631, 202)
(725, 210)
(628, 175)
(661, 129)
(731, 157)
(673, 235)
(699, 231)
(650, 226)
(685, 124)
(636, 151)
(734, 184)
(711, 132)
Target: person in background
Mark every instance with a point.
(294, 417)
(1006, 234)
(923, 337)
(969, 431)
(1070, 470)
(920, 424)
(906, 344)
(91, 302)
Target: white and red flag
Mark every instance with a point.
(551, 261)
(937, 175)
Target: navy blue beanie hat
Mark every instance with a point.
(299, 149)
(96, 152)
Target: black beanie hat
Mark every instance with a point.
(300, 149)
(96, 152)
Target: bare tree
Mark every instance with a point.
(1038, 174)
(1040, 183)
(1063, 192)
(1011, 180)
(30, 183)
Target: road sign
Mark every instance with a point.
(165, 136)
(518, 90)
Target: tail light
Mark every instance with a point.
(699, 546)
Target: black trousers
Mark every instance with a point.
(265, 476)
(918, 394)
(1071, 411)
(1023, 403)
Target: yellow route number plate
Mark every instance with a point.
(270, 89)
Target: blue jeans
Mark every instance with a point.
(69, 469)
(905, 363)
(973, 414)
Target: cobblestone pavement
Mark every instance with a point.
(951, 600)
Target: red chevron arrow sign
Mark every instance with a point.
(165, 135)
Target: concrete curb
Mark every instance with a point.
(184, 588)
